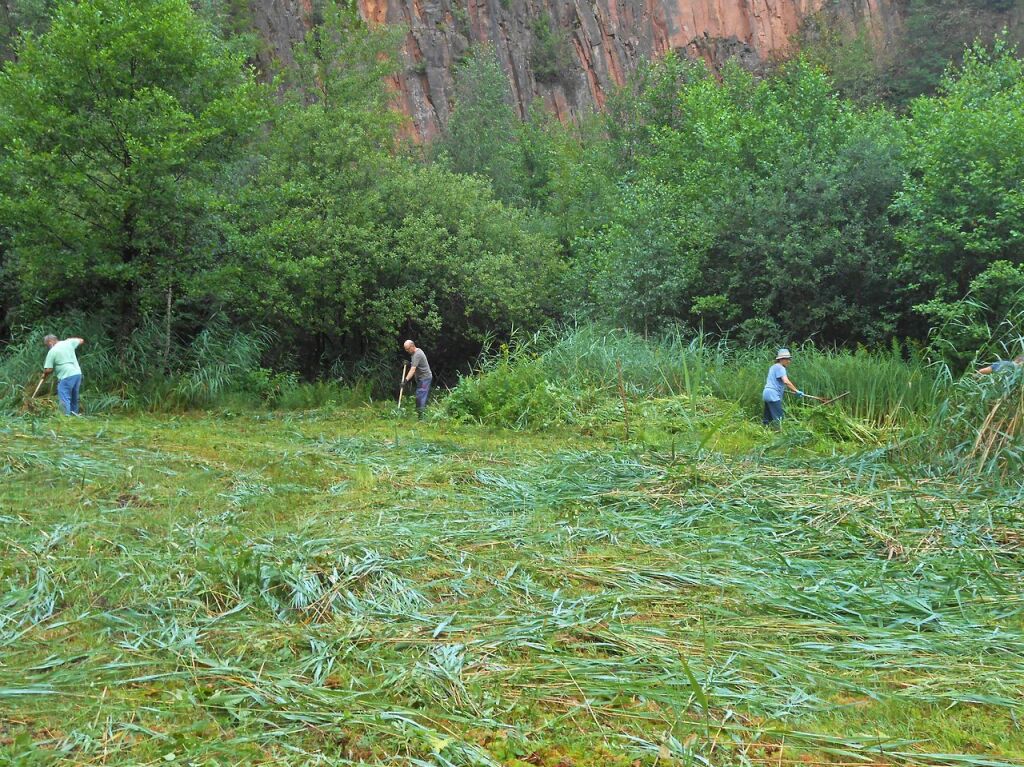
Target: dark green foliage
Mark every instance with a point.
(117, 126)
(807, 250)
(754, 206)
(482, 135)
(775, 208)
(550, 51)
(344, 249)
(960, 207)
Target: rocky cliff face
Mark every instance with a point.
(569, 53)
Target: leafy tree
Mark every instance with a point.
(117, 124)
(961, 206)
(985, 323)
(470, 268)
(344, 248)
(651, 99)
(569, 173)
(807, 252)
(753, 206)
(482, 135)
(303, 227)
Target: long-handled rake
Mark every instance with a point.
(830, 400)
(824, 401)
(401, 384)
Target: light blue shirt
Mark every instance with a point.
(773, 386)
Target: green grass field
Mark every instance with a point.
(341, 587)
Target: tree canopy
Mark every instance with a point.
(148, 175)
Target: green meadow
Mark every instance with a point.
(347, 585)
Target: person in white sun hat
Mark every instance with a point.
(775, 386)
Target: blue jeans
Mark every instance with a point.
(422, 392)
(67, 393)
(772, 413)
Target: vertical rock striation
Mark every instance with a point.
(568, 53)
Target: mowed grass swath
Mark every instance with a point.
(326, 588)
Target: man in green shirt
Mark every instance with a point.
(62, 360)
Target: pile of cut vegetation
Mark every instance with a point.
(978, 430)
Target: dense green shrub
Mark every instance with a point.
(756, 207)
(960, 207)
(482, 136)
(121, 126)
(513, 390)
(141, 370)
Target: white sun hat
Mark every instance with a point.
(783, 354)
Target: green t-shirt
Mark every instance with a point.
(62, 359)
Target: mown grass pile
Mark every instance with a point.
(343, 588)
(978, 430)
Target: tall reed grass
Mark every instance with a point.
(139, 370)
(977, 430)
(549, 376)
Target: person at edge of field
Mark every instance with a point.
(62, 360)
(419, 367)
(1000, 365)
(775, 386)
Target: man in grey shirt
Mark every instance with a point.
(419, 367)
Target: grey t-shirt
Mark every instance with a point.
(419, 361)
